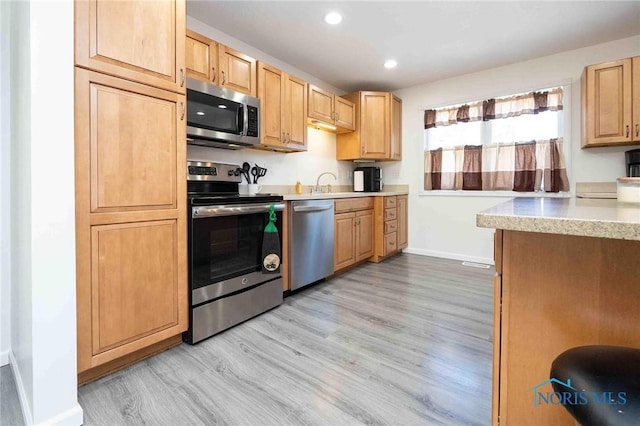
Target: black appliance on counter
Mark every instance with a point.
(632, 158)
(225, 231)
(367, 179)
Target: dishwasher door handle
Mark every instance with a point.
(312, 208)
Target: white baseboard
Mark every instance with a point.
(27, 415)
(452, 256)
(4, 358)
(73, 416)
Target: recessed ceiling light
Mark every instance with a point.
(333, 18)
(222, 106)
(199, 113)
(390, 63)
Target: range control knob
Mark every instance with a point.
(230, 173)
(237, 173)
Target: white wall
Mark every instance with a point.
(445, 226)
(283, 169)
(5, 230)
(287, 169)
(21, 294)
(43, 218)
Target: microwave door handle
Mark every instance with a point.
(245, 127)
(241, 121)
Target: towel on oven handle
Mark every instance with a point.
(271, 245)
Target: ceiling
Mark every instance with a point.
(430, 40)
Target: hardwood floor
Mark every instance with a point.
(406, 341)
(10, 411)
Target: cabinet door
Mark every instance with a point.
(636, 98)
(345, 113)
(364, 235)
(402, 229)
(128, 139)
(237, 71)
(608, 103)
(396, 128)
(132, 264)
(201, 57)
(271, 94)
(344, 250)
(295, 112)
(320, 104)
(138, 40)
(374, 125)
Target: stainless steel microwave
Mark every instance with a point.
(220, 117)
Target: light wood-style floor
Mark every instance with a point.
(403, 342)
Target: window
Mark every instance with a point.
(512, 143)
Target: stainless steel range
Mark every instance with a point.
(226, 282)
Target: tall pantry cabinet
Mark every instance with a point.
(130, 166)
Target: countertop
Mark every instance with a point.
(331, 195)
(566, 216)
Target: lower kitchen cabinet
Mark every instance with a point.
(390, 224)
(353, 231)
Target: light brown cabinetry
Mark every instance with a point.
(553, 293)
(283, 110)
(130, 178)
(353, 231)
(390, 226)
(218, 64)
(378, 133)
(137, 40)
(237, 71)
(610, 96)
(403, 216)
(325, 107)
(201, 57)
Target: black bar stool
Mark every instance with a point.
(608, 381)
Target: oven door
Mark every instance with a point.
(226, 248)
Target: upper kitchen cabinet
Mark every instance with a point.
(201, 57)
(237, 71)
(215, 63)
(137, 40)
(611, 103)
(378, 134)
(325, 107)
(283, 112)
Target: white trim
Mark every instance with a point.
(27, 414)
(507, 194)
(452, 256)
(4, 358)
(73, 416)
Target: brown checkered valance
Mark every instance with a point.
(522, 167)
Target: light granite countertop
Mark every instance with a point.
(331, 195)
(566, 216)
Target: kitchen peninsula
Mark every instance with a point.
(567, 274)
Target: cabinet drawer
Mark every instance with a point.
(390, 214)
(390, 243)
(390, 226)
(389, 202)
(352, 204)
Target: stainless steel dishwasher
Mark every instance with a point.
(311, 240)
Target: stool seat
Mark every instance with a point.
(609, 376)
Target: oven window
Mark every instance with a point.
(213, 113)
(226, 247)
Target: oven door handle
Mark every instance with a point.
(233, 210)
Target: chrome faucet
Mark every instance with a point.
(318, 188)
